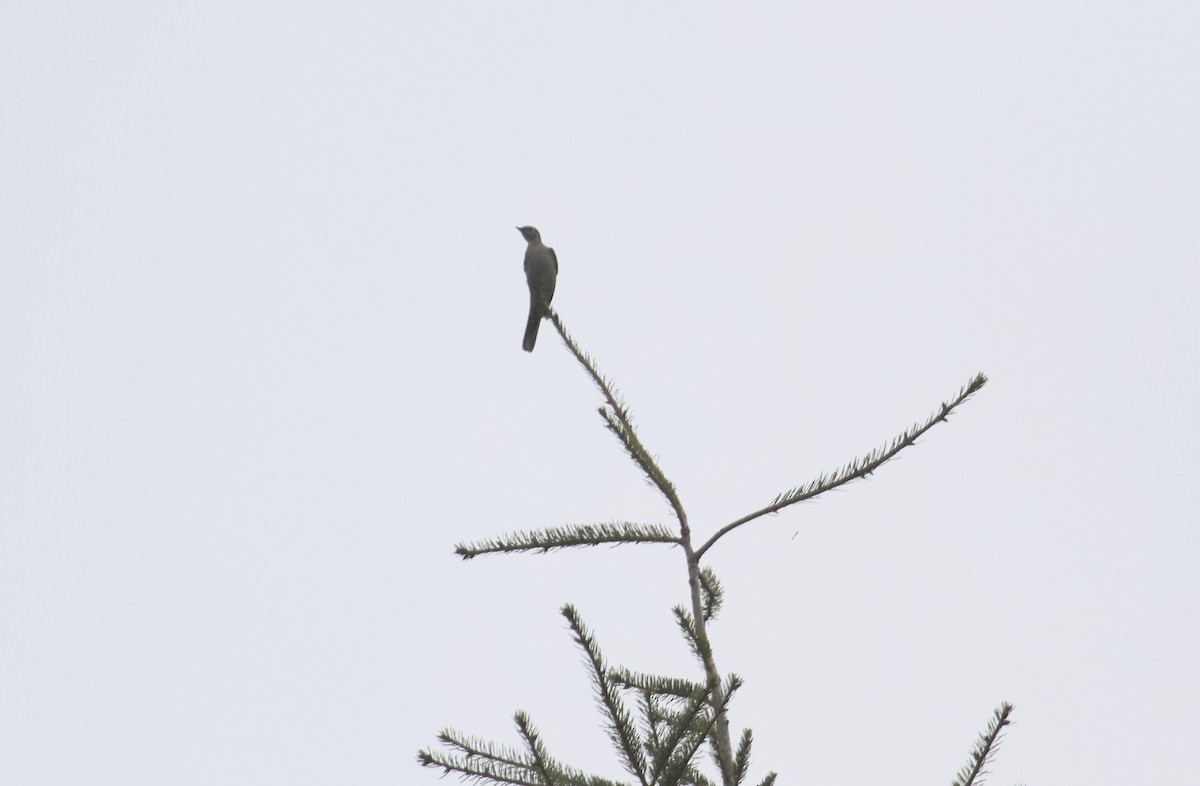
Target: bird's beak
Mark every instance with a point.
(519, 230)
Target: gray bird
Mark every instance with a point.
(541, 270)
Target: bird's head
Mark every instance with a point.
(530, 234)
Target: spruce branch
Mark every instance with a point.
(696, 642)
(478, 761)
(711, 593)
(985, 747)
(741, 759)
(679, 727)
(572, 536)
(652, 718)
(621, 730)
(539, 758)
(549, 770)
(469, 770)
(694, 629)
(484, 762)
(680, 715)
(475, 748)
(618, 420)
(680, 766)
(858, 468)
(674, 688)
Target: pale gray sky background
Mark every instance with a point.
(261, 306)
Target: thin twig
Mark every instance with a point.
(856, 469)
(617, 418)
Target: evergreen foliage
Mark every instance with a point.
(985, 747)
(673, 719)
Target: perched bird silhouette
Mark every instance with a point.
(541, 271)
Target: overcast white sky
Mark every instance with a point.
(261, 306)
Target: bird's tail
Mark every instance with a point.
(531, 327)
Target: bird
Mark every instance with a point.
(541, 271)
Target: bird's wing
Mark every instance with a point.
(554, 257)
